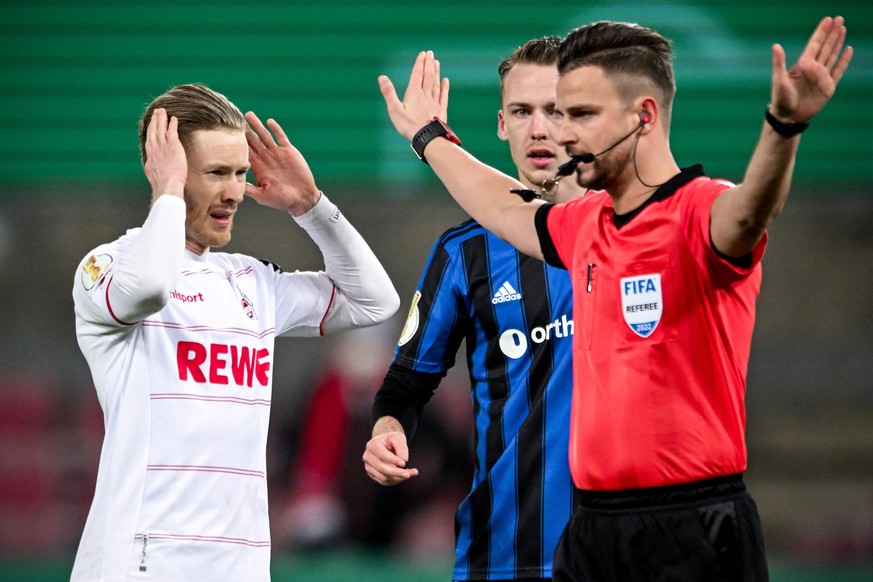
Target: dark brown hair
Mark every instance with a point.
(638, 59)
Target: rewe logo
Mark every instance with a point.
(223, 364)
(505, 293)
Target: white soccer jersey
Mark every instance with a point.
(181, 490)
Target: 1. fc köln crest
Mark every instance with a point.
(642, 303)
(246, 304)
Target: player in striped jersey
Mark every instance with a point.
(180, 342)
(515, 314)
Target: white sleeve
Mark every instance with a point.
(364, 292)
(140, 282)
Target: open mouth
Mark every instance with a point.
(541, 158)
(221, 217)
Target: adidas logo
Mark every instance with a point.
(505, 293)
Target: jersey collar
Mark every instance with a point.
(663, 192)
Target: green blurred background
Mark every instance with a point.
(75, 77)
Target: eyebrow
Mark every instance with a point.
(226, 167)
(528, 105)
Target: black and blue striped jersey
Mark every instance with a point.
(515, 314)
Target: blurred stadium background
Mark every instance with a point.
(75, 77)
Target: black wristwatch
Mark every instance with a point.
(434, 129)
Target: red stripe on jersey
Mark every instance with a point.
(109, 306)
(326, 311)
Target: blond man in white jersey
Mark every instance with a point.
(180, 342)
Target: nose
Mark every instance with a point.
(539, 127)
(563, 135)
(234, 191)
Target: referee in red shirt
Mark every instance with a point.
(666, 268)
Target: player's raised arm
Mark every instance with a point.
(741, 216)
(482, 191)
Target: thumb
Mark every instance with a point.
(398, 443)
(388, 92)
(777, 79)
(252, 190)
(778, 63)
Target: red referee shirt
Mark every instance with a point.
(663, 329)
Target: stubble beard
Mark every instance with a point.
(200, 231)
(605, 172)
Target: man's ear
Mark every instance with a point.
(501, 126)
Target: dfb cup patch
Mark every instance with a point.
(411, 325)
(642, 303)
(93, 269)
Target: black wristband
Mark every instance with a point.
(434, 129)
(782, 128)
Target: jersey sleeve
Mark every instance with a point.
(699, 209)
(403, 395)
(550, 251)
(303, 299)
(122, 283)
(362, 292)
(559, 225)
(438, 318)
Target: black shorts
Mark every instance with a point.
(708, 531)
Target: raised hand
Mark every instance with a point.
(166, 166)
(426, 97)
(283, 179)
(799, 93)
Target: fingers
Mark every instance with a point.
(281, 137)
(258, 136)
(385, 460)
(157, 129)
(416, 76)
(152, 130)
(816, 41)
(826, 43)
(835, 58)
(436, 84)
(162, 134)
(842, 64)
(430, 74)
(444, 100)
(833, 43)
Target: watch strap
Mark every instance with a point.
(436, 128)
(783, 128)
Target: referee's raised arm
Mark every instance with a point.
(483, 192)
